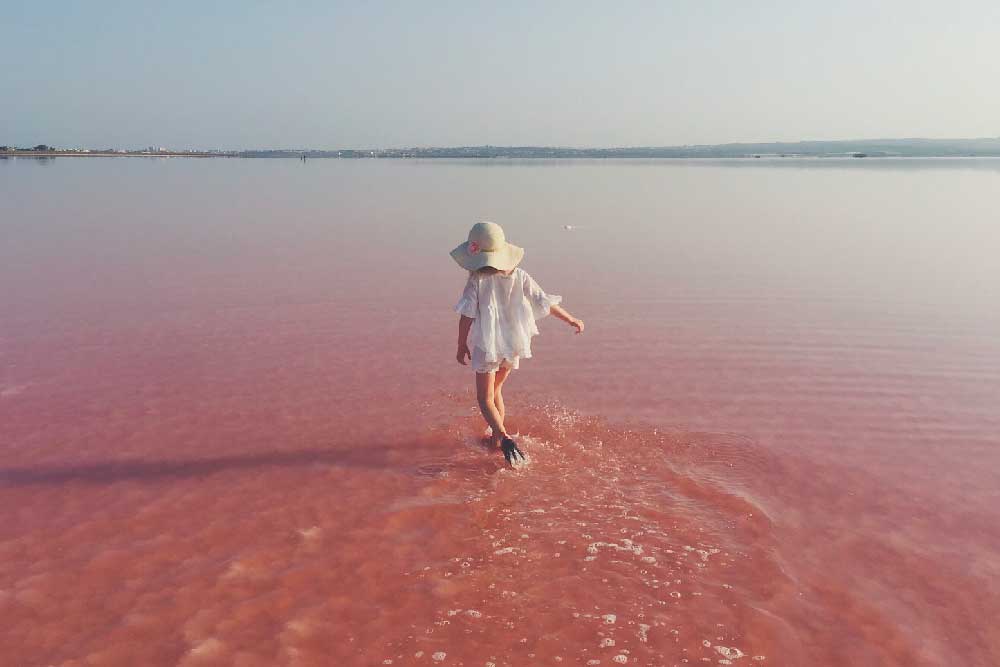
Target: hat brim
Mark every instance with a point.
(503, 259)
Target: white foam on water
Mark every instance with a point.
(310, 533)
(208, 648)
(729, 653)
(609, 618)
(234, 570)
(627, 545)
(439, 656)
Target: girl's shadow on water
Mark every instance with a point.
(389, 458)
(106, 472)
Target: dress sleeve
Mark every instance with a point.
(539, 300)
(468, 305)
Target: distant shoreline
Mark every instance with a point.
(862, 148)
(24, 155)
(45, 154)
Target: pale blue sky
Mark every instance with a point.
(240, 74)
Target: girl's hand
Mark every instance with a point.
(561, 313)
(463, 352)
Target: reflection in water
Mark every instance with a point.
(233, 432)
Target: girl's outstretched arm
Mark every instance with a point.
(464, 324)
(564, 315)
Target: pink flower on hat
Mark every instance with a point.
(473, 248)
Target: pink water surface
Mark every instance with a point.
(233, 433)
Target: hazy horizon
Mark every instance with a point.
(252, 148)
(332, 75)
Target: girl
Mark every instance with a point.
(498, 311)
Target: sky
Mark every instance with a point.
(327, 74)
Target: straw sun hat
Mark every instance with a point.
(487, 246)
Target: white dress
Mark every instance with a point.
(504, 309)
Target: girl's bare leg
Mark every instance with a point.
(485, 383)
(498, 381)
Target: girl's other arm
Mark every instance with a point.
(464, 324)
(564, 315)
(468, 308)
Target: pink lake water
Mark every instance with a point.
(232, 430)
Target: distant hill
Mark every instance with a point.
(989, 147)
(855, 148)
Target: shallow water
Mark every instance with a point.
(233, 431)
